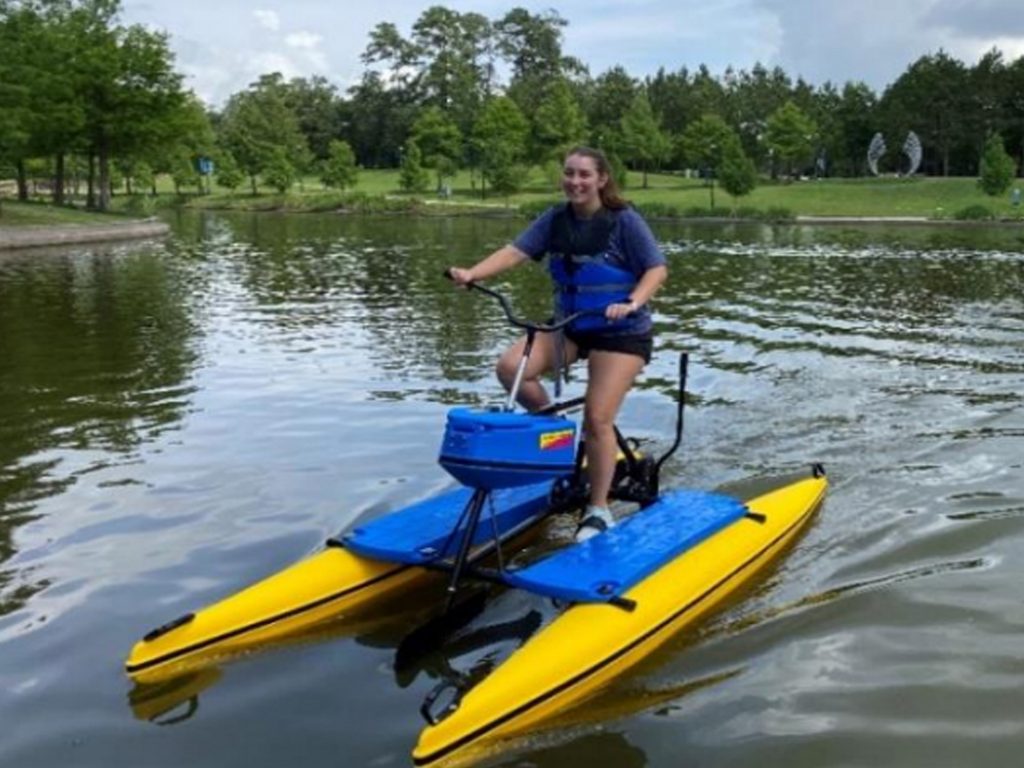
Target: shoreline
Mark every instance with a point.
(29, 237)
(17, 238)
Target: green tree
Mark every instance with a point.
(857, 113)
(1013, 110)
(750, 97)
(609, 98)
(454, 52)
(791, 135)
(703, 145)
(378, 119)
(279, 172)
(318, 110)
(532, 46)
(183, 171)
(440, 141)
(339, 171)
(189, 136)
(15, 94)
(258, 127)
(448, 62)
(643, 143)
(997, 167)
(500, 138)
(413, 177)
(932, 97)
(736, 173)
(41, 42)
(143, 176)
(226, 171)
(558, 123)
(129, 86)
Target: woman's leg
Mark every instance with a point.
(532, 394)
(611, 377)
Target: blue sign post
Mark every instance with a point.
(205, 166)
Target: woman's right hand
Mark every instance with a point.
(459, 276)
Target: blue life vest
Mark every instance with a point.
(585, 275)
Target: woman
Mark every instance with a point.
(602, 256)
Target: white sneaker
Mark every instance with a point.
(595, 520)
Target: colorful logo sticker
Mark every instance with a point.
(550, 441)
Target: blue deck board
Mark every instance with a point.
(416, 534)
(609, 564)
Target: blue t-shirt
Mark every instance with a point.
(631, 247)
(632, 243)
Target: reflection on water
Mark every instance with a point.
(178, 419)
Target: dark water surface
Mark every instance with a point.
(180, 419)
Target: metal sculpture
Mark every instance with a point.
(875, 151)
(912, 149)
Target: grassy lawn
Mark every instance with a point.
(666, 194)
(921, 196)
(38, 214)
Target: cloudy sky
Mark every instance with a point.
(222, 46)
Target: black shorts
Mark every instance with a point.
(640, 345)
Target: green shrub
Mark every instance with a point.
(656, 209)
(531, 209)
(997, 167)
(974, 213)
(699, 212)
(140, 205)
(778, 213)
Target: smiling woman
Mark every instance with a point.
(606, 265)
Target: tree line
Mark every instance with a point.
(80, 90)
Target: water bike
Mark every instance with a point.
(621, 593)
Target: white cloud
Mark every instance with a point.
(303, 40)
(268, 19)
(820, 40)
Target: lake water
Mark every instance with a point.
(179, 419)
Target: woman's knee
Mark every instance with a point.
(505, 371)
(597, 422)
(507, 366)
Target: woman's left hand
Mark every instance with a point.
(620, 310)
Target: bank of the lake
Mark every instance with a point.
(854, 202)
(33, 225)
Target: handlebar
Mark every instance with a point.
(526, 324)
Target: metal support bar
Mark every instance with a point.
(473, 509)
(520, 370)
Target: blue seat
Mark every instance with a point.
(416, 534)
(607, 565)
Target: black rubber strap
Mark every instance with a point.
(595, 522)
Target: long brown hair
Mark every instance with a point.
(611, 198)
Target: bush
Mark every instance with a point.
(339, 170)
(657, 210)
(997, 168)
(697, 212)
(140, 205)
(531, 209)
(778, 213)
(974, 213)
